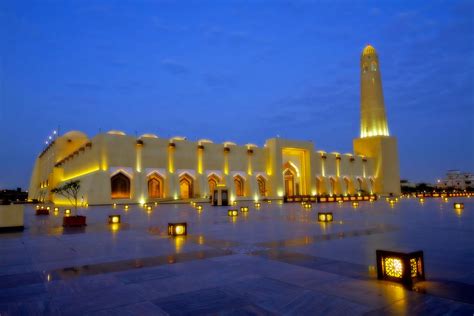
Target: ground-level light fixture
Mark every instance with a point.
(459, 206)
(56, 209)
(445, 199)
(325, 217)
(307, 205)
(114, 205)
(114, 219)
(257, 204)
(340, 201)
(148, 208)
(244, 209)
(232, 213)
(126, 207)
(67, 212)
(422, 200)
(199, 207)
(405, 268)
(355, 204)
(177, 229)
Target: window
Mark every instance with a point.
(120, 186)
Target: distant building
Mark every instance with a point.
(13, 195)
(457, 180)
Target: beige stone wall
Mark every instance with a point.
(110, 153)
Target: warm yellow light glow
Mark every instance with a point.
(114, 205)
(459, 206)
(244, 209)
(67, 212)
(393, 267)
(355, 204)
(115, 219)
(126, 207)
(199, 160)
(171, 159)
(322, 217)
(422, 200)
(232, 213)
(56, 209)
(179, 229)
(257, 204)
(80, 174)
(149, 208)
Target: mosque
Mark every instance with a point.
(117, 168)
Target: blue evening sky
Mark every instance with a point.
(242, 71)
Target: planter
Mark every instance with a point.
(74, 221)
(42, 211)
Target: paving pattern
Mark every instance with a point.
(274, 260)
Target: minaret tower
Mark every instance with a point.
(373, 121)
(375, 141)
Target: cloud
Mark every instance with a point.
(174, 67)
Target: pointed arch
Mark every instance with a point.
(262, 185)
(290, 174)
(186, 186)
(120, 186)
(320, 186)
(213, 180)
(335, 187)
(239, 185)
(155, 186)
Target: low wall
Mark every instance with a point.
(11, 218)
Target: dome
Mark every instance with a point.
(369, 50)
(148, 136)
(114, 132)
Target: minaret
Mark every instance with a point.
(375, 142)
(373, 121)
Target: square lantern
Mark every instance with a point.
(244, 209)
(177, 229)
(405, 268)
(257, 204)
(37, 207)
(56, 209)
(232, 213)
(422, 200)
(355, 204)
(199, 207)
(459, 206)
(325, 217)
(114, 219)
(67, 212)
(323, 200)
(307, 205)
(126, 207)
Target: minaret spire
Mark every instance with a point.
(373, 121)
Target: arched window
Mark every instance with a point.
(239, 185)
(348, 185)
(212, 181)
(155, 186)
(186, 186)
(120, 186)
(261, 186)
(290, 176)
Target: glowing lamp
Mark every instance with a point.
(244, 209)
(405, 268)
(445, 199)
(114, 219)
(48, 208)
(56, 209)
(148, 208)
(459, 206)
(126, 207)
(257, 204)
(67, 212)
(177, 229)
(234, 203)
(346, 198)
(114, 205)
(232, 213)
(37, 207)
(340, 201)
(323, 199)
(199, 207)
(307, 205)
(269, 201)
(355, 204)
(422, 200)
(325, 217)
(193, 203)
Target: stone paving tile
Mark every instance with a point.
(23, 293)
(15, 280)
(82, 285)
(142, 309)
(206, 301)
(311, 303)
(144, 274)
(417, 304)
(264, 292)
(373, 293)
(30, 307)
(98, 300)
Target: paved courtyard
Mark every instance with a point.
(275, 260)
